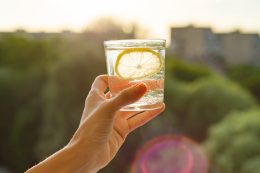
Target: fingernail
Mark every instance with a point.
(141, 88)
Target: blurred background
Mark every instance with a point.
(51, 51)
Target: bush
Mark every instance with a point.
(200, 104)
(234, 143)
(248, 77)
(185, 71)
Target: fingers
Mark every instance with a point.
(128, 96)
(128, 114)
(100, 83)
(143, 118)
(119, 84)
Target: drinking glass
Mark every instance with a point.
(133, 61)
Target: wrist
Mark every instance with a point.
(82, 160)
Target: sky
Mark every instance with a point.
(157, 16)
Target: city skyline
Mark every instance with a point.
(155, 16)
(203, 44)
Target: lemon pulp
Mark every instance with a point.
(137, 63)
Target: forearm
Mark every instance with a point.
(70, 159)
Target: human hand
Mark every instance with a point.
(103, 127)
(101, 132)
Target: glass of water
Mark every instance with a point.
(133, 61)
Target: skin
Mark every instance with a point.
(102, 130)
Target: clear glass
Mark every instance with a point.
(155, 82)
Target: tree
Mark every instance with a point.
(234, 145)
(107, 28)
(22, 74)
(202, 103)
(63, 97)
(22, 53)
(247, 76)
(185, 71)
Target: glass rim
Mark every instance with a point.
(135, 43)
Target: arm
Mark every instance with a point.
(102, 130)
(69, 159)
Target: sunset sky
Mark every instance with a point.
(155, 15)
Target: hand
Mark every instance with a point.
(101, 132)
(103, 127)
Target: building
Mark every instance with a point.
(202, 44)
(194, 43)
(239, 48)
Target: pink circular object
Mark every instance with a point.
(170, 154)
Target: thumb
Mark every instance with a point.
(128, 96)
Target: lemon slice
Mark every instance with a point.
(137, 63)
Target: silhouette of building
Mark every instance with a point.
(202, 44)
(193, 43)
(240, 48)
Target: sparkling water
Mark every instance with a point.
(155, 82)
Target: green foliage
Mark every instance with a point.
(185, 71)
(21, 53)
(251, 165)
(22, 73)
(234, 143)
(71, 79)
(20, 115)
(200, 104)
(44, 79)
(23, 62)
(248, 77)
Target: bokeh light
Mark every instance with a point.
(170, 154)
